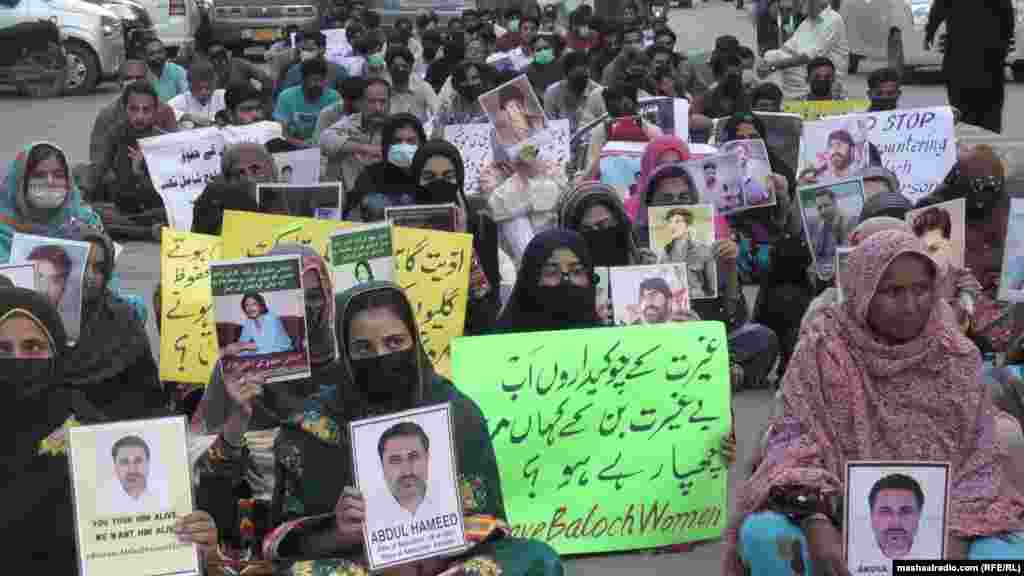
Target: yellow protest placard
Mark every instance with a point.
(433, 269)
(811, 110)
(248, 234)
(188, 335)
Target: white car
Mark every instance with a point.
(92, 36)
(893, 30)
(175, 22)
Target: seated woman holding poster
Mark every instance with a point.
(861, 386)
(238, 475)
(39, 196)
(40, 519)
(384, 369)
(111, 367)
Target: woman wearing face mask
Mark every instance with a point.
(521, 197)
(594, 211)
(388, 182)
(752, 346)
(439, 170)
(544, 70)
(39, 196)
(554, 289)
(245, 413)
(111, 367)
(383, 369)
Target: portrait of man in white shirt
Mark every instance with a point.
(133, 489)
(405, 459)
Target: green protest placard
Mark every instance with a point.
(607, 439)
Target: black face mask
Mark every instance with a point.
(821, 88)
(26, 378)
(578, 80)
(470, 93)
(390, 379)
(607, 246)
(982, 194)
(565, 305)
(429, 52)
(400, 75)
(314, 92)
(438, 192)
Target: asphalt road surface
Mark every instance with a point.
(68, 121)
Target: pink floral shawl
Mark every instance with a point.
(847, 396)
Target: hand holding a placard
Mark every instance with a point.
(825, 547)
(197, 528)
(235, 348)
(243, 388)
(726, 252)
(349, 515)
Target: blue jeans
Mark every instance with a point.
(771, 545)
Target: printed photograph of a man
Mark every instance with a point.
(134, 488)
(896, 502)
(405, 459)
(942, 228)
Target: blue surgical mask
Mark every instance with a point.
(401, 154)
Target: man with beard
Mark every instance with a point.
(470, 80)
(565, 99)
(728, 95)
(169, 79)
(113, 116)
(655, 301)
(131, 207)
(840, 157)
(243, 104)
(243, 166)
(632, 40)
(409, 94)
(404, 451)
(232, 70)
(298, 108)
(632, 70)
(752, 192)
(353, 142)
(895, 502)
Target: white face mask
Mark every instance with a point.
(43, 196)
(308, 55)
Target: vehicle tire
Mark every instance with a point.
(83, 71)
(854, 63)
(48, 88)
(895, 53)
(1018, 71)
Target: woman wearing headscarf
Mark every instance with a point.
(440, 177)
(883, 376)
(40, 520)
(521, 194)
(239, 475)
(384, 369)
(554, 289)
(773, 250)
(111, 367)
(39, 196)
(665, 149)
(753, 347)
(389, 182)
(594, 210)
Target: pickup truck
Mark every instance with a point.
(243, 23)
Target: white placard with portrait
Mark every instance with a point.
(405, 469)
(894, 511)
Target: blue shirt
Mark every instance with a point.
(174, 81)
(299, 116)
(335, 75)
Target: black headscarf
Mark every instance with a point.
(39, 518)
(439, 195)
(532, 307)
(384, 184)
